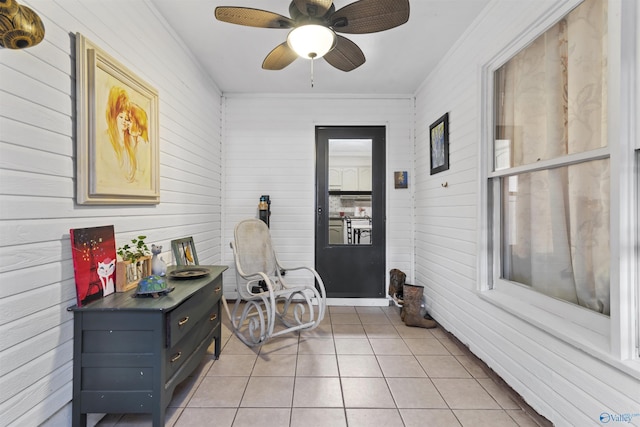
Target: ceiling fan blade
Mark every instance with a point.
(314, 8)
(346, 56)
(252, 17)
(281, 56)
(370, 16)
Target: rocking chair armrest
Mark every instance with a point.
(268, 295)
(313, 272)
(251, 277)
(293, 268)
(260, 276)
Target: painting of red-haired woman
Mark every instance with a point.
(123, 155)
(118, 144)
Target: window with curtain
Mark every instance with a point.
(551, 163)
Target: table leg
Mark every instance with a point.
(158, 416)
(78, 419)
(218, 341)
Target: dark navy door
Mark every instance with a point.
(350, 210)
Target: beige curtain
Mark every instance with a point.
(552, 102)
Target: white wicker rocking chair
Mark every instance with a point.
(263, 294)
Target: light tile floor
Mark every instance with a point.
(361, 367)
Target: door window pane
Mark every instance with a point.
(350, 183)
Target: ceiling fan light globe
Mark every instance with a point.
(311, 41)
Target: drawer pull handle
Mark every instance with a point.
(213, 317)
(176, 357)
(183, 321)
(216, 290)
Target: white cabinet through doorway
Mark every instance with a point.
(335, 179)
(350, 178)
(364, 179)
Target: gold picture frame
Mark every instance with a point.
(117, 131)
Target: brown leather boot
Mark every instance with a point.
(411, 307)
(396, 280)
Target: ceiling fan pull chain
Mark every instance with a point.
(311, 72)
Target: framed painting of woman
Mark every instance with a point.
(117, 131)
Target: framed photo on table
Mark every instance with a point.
(184, 250)
(117, 131)
(439, 144)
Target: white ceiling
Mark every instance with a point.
(398, 60)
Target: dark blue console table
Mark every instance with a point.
(130, 353)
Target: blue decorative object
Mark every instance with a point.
(153, 286)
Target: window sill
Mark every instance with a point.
(589, 341)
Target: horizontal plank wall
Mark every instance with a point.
(270, 149)
(563, 383)
(37, 185)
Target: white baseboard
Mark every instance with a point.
(359, 302)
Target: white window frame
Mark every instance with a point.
(635, 135)
(637, 245)
(614, 338)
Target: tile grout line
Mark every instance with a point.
(443, 337)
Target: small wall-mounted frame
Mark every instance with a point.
(184, 251)
(400, 179)
(439, 144)
(117, 131)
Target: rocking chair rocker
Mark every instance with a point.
(263, 294)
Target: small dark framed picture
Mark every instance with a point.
(400, 179)
(439, 139)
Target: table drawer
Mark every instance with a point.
(211, 320)
(186, 316)
(182, 350)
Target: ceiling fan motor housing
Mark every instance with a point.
(311, 10)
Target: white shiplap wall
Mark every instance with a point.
(563, 383)
(37, 185)
(270, 149)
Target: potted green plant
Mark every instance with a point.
(134, 264)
